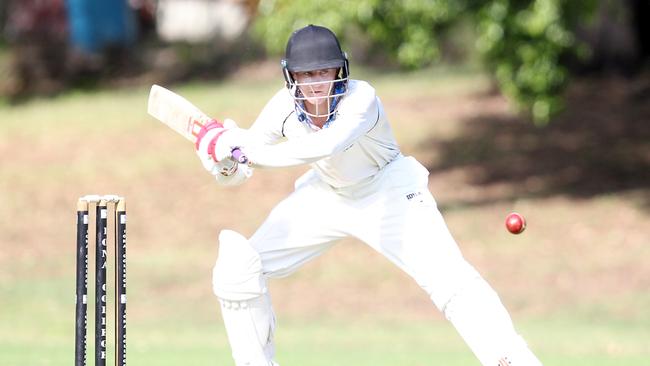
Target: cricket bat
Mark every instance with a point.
(180, 115)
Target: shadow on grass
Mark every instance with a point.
(599, 145)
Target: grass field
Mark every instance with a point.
(576, 282)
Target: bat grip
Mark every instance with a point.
(239, 156)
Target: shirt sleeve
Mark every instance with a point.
(358, 113)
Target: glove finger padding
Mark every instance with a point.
(230, 139)
(239, 176)
(214, 149)
(229, 123)
(224, 167)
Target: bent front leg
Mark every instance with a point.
(245, 303)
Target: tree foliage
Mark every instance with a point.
(521, 42)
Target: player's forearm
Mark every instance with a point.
(304, 150)
(284, 155)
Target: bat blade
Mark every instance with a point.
(181, 116)
(176, 112)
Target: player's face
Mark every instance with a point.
(315, 85)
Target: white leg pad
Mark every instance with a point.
(250, 325)
(237, 274)
(483, 322)
(245, 304)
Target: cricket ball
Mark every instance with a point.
(515, 223)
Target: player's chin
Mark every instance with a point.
(316, 100)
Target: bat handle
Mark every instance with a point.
(239, 156)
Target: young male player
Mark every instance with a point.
(359, 185)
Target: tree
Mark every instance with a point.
(521, 42)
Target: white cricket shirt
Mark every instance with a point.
(351, 149)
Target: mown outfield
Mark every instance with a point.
(576, 281)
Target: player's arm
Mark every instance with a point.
(358, 114)
(215, 155)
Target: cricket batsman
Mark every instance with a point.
(359, 185)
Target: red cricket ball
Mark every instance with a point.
(515, 223)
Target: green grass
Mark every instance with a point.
(37, 331)
(576, 288)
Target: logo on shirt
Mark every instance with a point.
(411, 196)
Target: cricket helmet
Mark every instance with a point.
(315, 48)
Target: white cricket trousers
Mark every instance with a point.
(397, 216)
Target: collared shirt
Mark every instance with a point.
(355, 146)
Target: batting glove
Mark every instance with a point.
(232, 138)
(205, 146)
(241, 174)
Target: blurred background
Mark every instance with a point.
(530, 48)
(535, 106)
